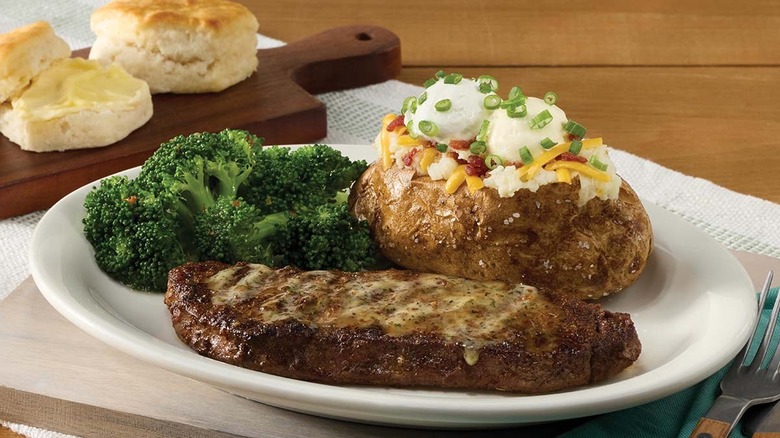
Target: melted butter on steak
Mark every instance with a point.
(470, 313)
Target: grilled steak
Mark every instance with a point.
(396, 328)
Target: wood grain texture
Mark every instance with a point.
(8, 433)
(692, 85)
(550, 32)
(707, 428)
(275, 103)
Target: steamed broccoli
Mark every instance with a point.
(222, 196)
(307, 240)
(135, 233)
(300, 178)
(232, 229)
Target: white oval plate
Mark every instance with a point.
(693, 307)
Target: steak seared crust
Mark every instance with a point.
(396, 328)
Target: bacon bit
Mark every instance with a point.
(517, 164)
(131, 199)
(408, 159)
(235, 203)
(461, 145)
(456, 157)
(476, 166)
(398, 121)
(568, 156)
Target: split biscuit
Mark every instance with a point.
(76, 104)
(24, 53)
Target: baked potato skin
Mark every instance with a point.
(541, 238)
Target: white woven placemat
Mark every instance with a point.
(735, 220)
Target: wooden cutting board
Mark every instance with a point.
(57, 377)
(275, 103)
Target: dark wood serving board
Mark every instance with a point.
(275, 103)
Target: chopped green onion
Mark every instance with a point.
(517, 101)
(410, 129)
(492, 161)
(453, 78)
(492, 101)
(598, 164)
(429, 82)
(516, 112)
(541, 120)
(483, 130)
(515, 93)
(550, 98)
(575, 147)
(440, 74)
(547, 143)
(443, 105)
(441, 147)
(410, 103)
(525, 155)
(423, 97)
(428, 128)
(487, 84)
(477, 147)
(574, 128)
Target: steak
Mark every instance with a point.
(396, 328)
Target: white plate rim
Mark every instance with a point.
(408, 407)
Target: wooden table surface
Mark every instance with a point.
(691, 85)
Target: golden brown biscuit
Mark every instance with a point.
(178, 46)
(74, 104)
(24, 53)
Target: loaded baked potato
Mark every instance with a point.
(472, 185)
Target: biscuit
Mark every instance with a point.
(178, 46)
(76, 104)
(24, 53)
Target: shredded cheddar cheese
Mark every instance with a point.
(474, 183)
(582, 168)
(426, 159)
(387, 158)
(456, 179)
(563, 175)
(528, 172)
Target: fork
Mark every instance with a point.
(745, 384)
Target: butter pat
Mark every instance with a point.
(74, 104)
(74, 85)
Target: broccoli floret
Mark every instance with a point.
(134, 232)
(311, 175)
(326, 237)
(175, 155)
(233, 230)
(222, 196)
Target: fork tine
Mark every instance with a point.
(742, 355)
(763, 349)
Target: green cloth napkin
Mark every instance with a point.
(673, 416)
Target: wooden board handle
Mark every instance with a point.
(340, 58)
(707, 428)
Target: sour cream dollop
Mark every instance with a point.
(506, 135)
(461, 121)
